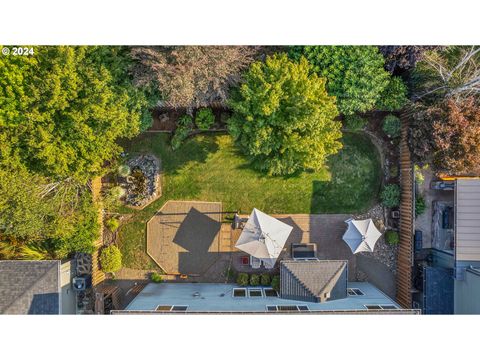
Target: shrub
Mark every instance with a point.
(391, 237)
(123, 170)
(390, 195)
(265, 279)
(394, 96)
(156, 277)
(242, 279)
(254, 280)
(420, 206)
(111, 259)
(185, 124)
(354, 122)
(419, 178)
(393, 171)
(276, 282)
(112, 224)
(391, 126)
(204, 119)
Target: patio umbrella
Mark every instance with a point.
(361, 235)
(263, 237)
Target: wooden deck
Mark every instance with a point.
(183, 237)
(98, 276)
(407, 217)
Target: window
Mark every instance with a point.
(171, 308)
(275, 308)
(255, 292)
(239, 292)
(354, 292)
(269, 292)
(380, 307)
(179, 308)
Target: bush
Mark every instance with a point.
(276, 282)
(185, 124)
(112, 224)
(265, 280)
(391, 126)
(391, 237)
(111, 259)
(156, 278)
(254, 280)
(242, 279)
(354, 123)
(123, 170)
(390, 195)
(420, 206)
(419, 177)
(394, 96)
(204, 119)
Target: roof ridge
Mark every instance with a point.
(57, 263)
(300, 281)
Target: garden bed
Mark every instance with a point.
(165, 120)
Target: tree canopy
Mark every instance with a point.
(62, 110)
(284, 120)
(355, 74)
(191, 76)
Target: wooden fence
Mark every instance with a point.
(407, 218)
(98, 275)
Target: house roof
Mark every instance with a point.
(467, 222)
(317, 277)
(30, 287)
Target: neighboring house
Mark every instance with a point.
(36, 287)
(313, 286)
(449, 281)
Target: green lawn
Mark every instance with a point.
(209, 168)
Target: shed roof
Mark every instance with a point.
(29, 287)
(467, 222)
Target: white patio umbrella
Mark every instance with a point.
(263, 237)
(361, 235)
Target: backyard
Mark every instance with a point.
(210, 168)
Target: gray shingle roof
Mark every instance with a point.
(29, 287)
(317, 277)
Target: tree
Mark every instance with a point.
(452, 72)
(456, 137)
(394, 96)
(191, 76)
(401, 57)
(62, 111)
(355, 74)
(283, 118)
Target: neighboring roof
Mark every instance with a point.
(361, 235)
(438, 290)
(30, 287)
(467, 221)
(218, 298)
(263, 237)
(467, 293)
(317, 277)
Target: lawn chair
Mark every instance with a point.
(255, 263)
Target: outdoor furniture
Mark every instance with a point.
(245, 260)
(263, 237)
(361, 235)
(255, 263)
(267, 265)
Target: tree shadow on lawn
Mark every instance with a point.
(355, 179)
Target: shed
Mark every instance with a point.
(467, 222)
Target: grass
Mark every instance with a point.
(210, 168)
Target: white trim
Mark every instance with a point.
(381, 306)
(255, 289)
(240, 288)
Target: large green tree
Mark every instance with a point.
(63, 109)
(355, 74)
(284, 120)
